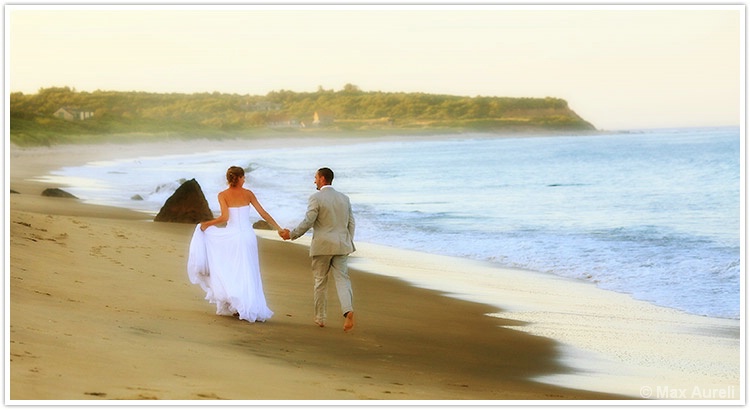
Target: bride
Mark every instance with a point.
(224, 260)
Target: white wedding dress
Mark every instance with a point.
(224, 262)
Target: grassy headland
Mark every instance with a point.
(63, 115)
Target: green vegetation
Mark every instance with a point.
(141, 115)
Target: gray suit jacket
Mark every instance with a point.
(329, 214)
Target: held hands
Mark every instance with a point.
(285, 234)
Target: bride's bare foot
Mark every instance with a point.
(320, 323)
(349, 321)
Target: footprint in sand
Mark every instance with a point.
(95, 393)
(211, 396)
(80, 224)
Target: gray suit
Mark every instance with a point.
(329, 214)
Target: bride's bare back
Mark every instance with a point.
(236, 196)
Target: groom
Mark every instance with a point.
(329, 214)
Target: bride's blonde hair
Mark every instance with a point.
(234, 174)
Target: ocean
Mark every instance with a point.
(652, 213)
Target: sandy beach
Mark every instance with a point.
(99, 307)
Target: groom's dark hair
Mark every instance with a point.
(326, 173)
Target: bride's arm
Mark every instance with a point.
(222, 218)
(262, 212)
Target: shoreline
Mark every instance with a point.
(525, 307)
(589, 323)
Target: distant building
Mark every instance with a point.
(267, 106)
(261, 106)
(322, 119)
(283, 121)
(73, 114)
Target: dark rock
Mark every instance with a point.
(136, 197)
(263, 225)
(57, 193)
(187, 205)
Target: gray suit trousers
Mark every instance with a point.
(324, 266)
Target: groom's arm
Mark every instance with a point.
(310, 216)
(351, 224)
(350, 227)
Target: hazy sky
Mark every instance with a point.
(618, 67)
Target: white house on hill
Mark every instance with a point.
(73, 114)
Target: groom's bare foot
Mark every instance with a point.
(320, 323)
(349, 321)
